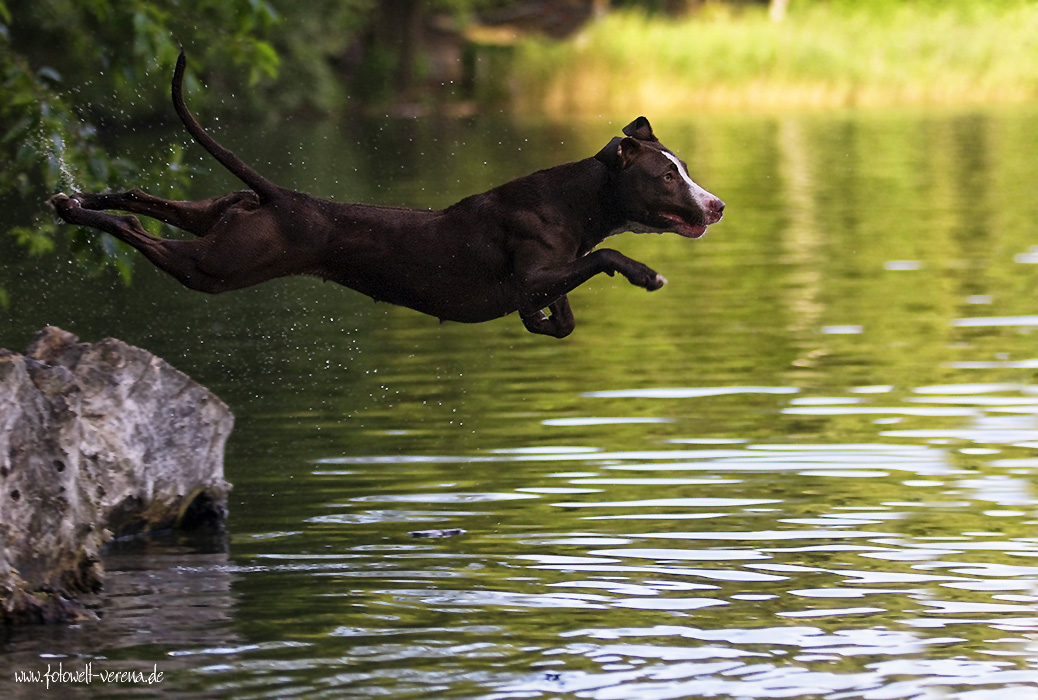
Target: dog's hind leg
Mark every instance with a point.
(179, 259)
(197, 218)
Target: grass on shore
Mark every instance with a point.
(822, 55)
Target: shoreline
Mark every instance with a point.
(819, 57)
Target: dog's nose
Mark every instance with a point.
(716, 207)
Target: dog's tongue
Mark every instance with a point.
(683, 228)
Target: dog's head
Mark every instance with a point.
(654, 190)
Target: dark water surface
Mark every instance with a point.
(805, 468)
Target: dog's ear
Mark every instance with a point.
(619, 153)
(626, 151)
(610, 155)
(640, 129)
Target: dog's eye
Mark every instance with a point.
(668, 177)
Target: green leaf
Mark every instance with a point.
(34, 240)
(265, 61)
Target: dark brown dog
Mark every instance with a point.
(518, 247)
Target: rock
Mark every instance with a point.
(97, 441)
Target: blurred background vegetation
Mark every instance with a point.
(77, 73)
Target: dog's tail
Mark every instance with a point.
(256, 182)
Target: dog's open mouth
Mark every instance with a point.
(684, 228)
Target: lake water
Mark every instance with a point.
(805, 468)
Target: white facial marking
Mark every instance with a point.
(699, 195)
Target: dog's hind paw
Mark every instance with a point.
(62, 201)
(63, 205)
(658, 282)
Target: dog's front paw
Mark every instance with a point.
(658, 282)
(645, 277)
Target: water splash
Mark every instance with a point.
(53, 145)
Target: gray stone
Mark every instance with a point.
(97, 441)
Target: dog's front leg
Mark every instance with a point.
(560, 324)
(542, 285)
(547, 286)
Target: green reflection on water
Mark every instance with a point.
(851, 246)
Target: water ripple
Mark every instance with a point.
(690, 392)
